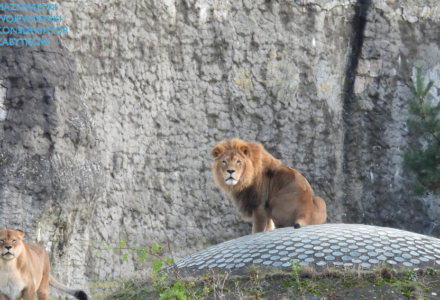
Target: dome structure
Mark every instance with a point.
(324, 245)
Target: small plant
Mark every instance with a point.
(256, 291)
(424, 161)
(411, 275)
(296, 271)
(180, 290)
(177, 291)
(386, 273)
(430, 271)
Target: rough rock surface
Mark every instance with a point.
(50, 167)
(107, 132)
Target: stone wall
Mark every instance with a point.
(50, 168)
(397, 38)
(107, 132)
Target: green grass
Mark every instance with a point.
(299, 283)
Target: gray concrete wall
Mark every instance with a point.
(107, 132)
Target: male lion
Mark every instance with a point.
(24, 270)
(264, 190)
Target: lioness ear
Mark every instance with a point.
(217, 151)
(245, 150)
(20, 233)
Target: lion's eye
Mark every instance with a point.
(224, 162)
(238, 162)
(14, 241)
(2, 241)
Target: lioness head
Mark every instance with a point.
(11, 243)
(231, 163)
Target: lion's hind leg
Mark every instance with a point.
(269, 224)
(320, 211)
(43, 289)
(43, 293)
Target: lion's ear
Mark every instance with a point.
(218, 150)
(20, 233)
(245, 150)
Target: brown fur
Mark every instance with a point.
(263, 189)
(25, 270)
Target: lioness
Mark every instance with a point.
(25, 269)
(264, 190)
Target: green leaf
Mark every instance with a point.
(167, 294)
(430, 271)
(157, 265)
(428, 87)
(169, 261)
(413, 89)
(156, 247)
(142, 254)
(419, 81)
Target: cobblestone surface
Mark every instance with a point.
(320, 246)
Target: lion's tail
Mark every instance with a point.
(80, 295)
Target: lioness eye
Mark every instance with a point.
(14, 241)
(238, 162)
(2, 241)
(224, 162)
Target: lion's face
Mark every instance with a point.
(230, 167)
(11, 244)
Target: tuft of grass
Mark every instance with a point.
(297, 283)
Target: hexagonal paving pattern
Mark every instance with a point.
(321, 245)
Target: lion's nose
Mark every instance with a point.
(230, 171)
(8, 247)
